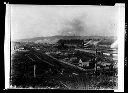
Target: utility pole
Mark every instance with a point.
(96, 59)
(34, 71)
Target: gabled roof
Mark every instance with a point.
(115, 44)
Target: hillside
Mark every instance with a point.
(55, 38)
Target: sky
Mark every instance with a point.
(29, 21)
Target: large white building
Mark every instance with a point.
(81, 63)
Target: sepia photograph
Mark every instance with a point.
(68, 47)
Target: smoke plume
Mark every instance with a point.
(74, 27)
